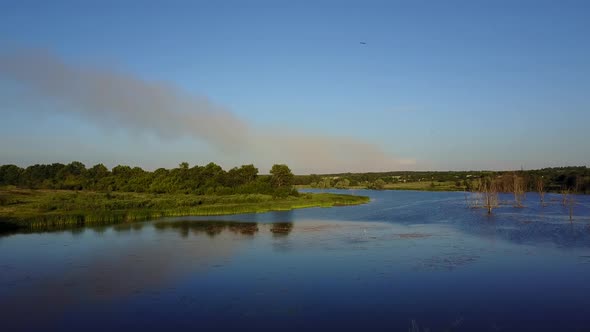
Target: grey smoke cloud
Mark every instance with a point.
(109, 98)
(326, 154)
(115, 99)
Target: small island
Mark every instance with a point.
(45, 197)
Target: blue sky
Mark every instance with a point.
(439, 84)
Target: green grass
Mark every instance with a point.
(47, 209)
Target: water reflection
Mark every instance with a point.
(281, 228)
(532, 224)
(46, 279)
(127, 227)
(214, 228)
(211, 228)
(404, 256)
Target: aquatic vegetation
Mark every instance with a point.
(448, 262)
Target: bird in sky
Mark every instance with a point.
(363, 43)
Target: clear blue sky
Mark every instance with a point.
(449, 84)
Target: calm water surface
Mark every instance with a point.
(407, 258)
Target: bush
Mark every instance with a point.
(282, 192)
(377, 185)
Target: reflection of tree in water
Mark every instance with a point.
(211, 228)
(77, 231)
(281, 228)
(99, 229)
(126, 227)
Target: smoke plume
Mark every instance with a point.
(110, 98)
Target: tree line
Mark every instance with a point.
(557, 179)
(210, 179)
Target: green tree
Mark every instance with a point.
(248, 173)
(325, 183)
(98, 171)
(378, 185)
(72, 176)
(94, 175)
(10, 174)
(344, 183)
(240, 176)
(35, 176)
(281, 176)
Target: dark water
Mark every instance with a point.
(406, 259)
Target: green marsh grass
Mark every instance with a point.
(38, 210)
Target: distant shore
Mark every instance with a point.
(419, 186)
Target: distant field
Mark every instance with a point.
(424, 185)
(39, 209)
(418, 185)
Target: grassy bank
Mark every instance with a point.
(46, 209)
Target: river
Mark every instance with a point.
(407, 260)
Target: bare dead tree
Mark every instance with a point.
(484, 194)
(505, 182)
(518, 190)
(475, 199)
(570, 200)
(467, 198)
(565, 192)
(490, 195)
(541, 190)
(571, 203)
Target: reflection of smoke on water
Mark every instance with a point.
(412, 235)
(128, 265)
(447, 262)
(365, 237)
(415, 327)
(317, 228)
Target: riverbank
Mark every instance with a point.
(25, 209)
